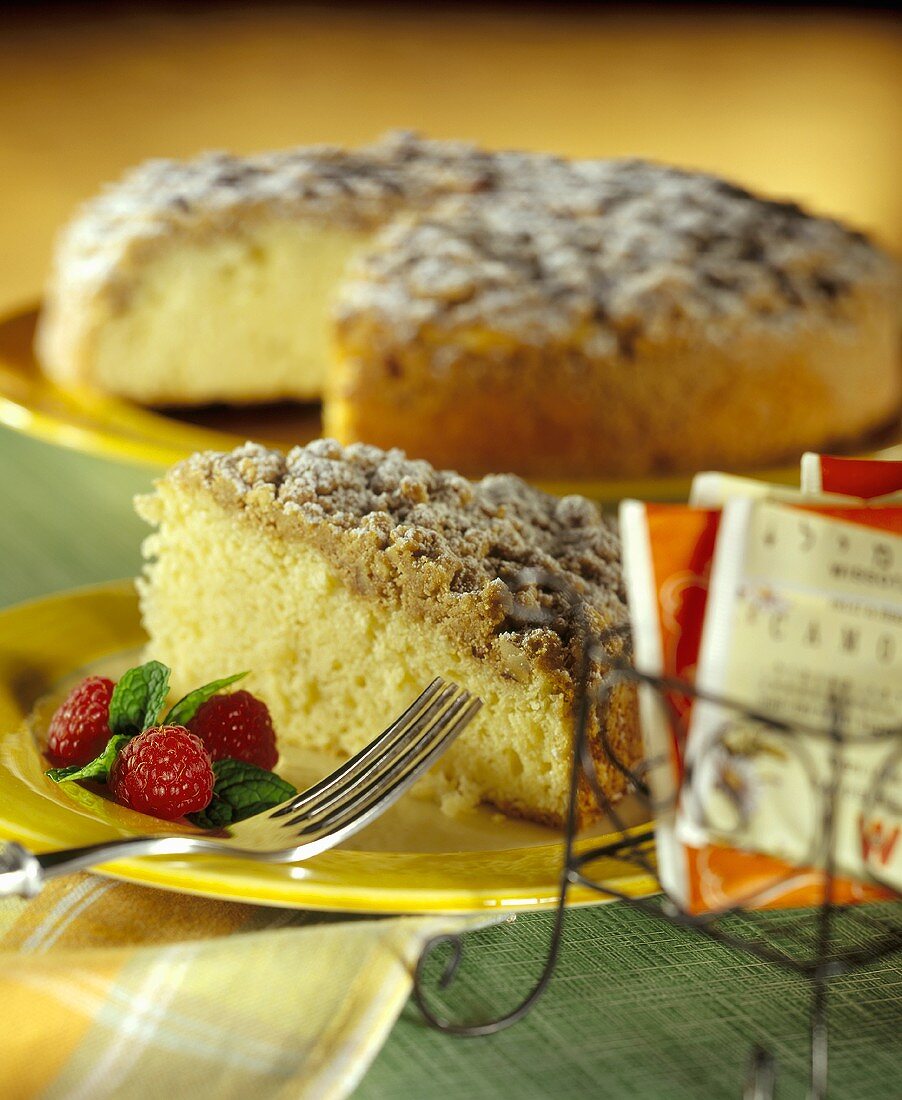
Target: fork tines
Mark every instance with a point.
(382, 770)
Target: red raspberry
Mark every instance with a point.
(239, 726)
(164, 771)
(80, 729)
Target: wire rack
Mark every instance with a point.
(801, 940)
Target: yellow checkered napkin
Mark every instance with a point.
(111, 989)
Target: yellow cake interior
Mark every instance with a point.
(255, 309)
(223, 594)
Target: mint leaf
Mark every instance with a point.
(98, 768)
(241, 790)
(185, 709)
(215, 816)
(59, 775)
(138, 698)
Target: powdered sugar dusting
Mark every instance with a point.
(361, 188)
(627, 250)
(535, 246)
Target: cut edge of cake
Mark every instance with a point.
(204, 309)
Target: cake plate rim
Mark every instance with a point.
(47, 640)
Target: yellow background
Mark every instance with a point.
(806, 104)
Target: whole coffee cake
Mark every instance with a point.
(483, 310)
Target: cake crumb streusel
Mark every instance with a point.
(530, 244)
(453, 550)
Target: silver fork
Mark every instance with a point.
(307, 824)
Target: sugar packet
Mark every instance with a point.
(713, 489)
(803, 624)
(668, 556)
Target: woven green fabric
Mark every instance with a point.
(636, 1009)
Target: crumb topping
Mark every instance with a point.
(635, 251)
(451, 550)
(217, 191)
(541, 248)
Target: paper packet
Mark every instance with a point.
(874, 480)
(804, 623)
(668, 556)
(713, 489)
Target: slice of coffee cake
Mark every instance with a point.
(345, 579)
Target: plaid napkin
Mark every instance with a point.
(112, 989)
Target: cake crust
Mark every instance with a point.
(675, 322)
(628, 250)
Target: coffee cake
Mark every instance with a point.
(483, 310)
(345, 579)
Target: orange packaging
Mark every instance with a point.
(669, 552)
(667, 555)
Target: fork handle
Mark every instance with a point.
(21, 873)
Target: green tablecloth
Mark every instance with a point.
(636, 1009)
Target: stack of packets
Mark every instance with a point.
(787, 602)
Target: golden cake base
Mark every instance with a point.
(112, 428)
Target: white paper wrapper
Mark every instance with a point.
(804, 623)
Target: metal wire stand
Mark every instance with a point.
(802, 941)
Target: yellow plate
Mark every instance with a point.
(414, 859)
(114, 428)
